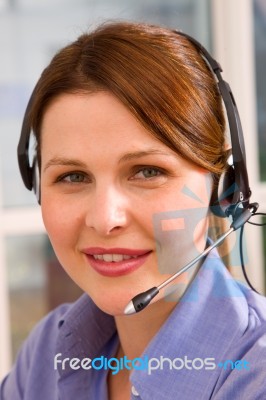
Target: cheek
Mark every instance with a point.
(193, 192)
(180, 227)
(63, 229)
(61, 223)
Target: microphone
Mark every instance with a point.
(141, 300)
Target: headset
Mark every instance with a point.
(230, 197)
(233, 188)
(29, 171)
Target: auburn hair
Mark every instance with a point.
(156, 73)
(159, 75)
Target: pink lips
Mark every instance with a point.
(118, 267)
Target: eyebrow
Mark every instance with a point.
(139, 154)
(126, 157)
(64, 161)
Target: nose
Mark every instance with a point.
(108, 211)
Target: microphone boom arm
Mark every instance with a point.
(141, 300)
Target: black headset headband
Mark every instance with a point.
(237, 191)
(241, 191)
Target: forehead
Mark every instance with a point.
(95, 120)
(93, 109)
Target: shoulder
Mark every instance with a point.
(243, 372)
(233, 317)
(30, 371)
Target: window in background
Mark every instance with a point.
(259, 14)
(30, 34)
(36, 282)
(264, 242)
(259, 8)
(264, 248)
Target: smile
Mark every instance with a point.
(115, 262)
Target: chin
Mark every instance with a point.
(112, 307)
(111, 301)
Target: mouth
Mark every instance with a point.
(115, 262)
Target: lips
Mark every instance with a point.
(115, 261)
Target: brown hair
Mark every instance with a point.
(157, 74)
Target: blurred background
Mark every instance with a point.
(31, 280)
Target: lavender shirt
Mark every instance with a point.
(213, 346)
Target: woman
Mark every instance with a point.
(129, 128)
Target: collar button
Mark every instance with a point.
(134, 391)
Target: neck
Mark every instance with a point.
(137, 330)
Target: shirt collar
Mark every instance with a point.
(83, 332)
(210, 316)
(84, 329)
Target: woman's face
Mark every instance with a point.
(114, 198)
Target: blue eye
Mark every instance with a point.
(148, 173)
(74, 177)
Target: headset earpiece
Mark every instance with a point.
(36, 184)
(29, 173)
(223, 192)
